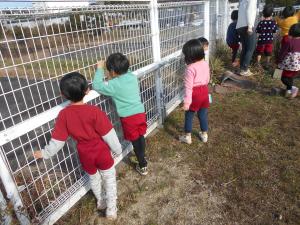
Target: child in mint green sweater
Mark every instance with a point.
(124, 90)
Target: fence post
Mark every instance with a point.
(225, 19)
(155, 29)
(207, 24)
(217, 20)
(5, 218)
(12, 191)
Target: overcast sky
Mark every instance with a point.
(24, 3)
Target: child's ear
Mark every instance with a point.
(87, 91)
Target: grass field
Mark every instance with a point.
(247, 173)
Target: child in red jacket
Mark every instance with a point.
(95, 137)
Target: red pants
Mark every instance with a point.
(287, 73)
(264, 48)
(234, 47)
(134, 126)
(93, 155)
(199, 98)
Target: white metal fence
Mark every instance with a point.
(38, 46)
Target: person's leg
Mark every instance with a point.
(188, 123)
(110, 187)
(250, 43)
(188, 126)
(258, 59)
(234, 53)
(139, 150)
(259, 52)
(202, 116)
(96, 186)
(268, 52)
(243, 36)
(288, 82)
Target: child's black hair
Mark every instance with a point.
(268, 11)
(203, 41)
(295, 30)
(235, 15)
(193, 51)
(118, 63)
(73, 86)
(288, 12)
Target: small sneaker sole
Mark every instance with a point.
(184, 141)
(111, 218)
(140, 172)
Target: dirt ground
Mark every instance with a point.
(247, 173)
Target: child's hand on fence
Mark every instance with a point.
(101, 64)
(38, 154)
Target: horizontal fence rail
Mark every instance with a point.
(40, 45)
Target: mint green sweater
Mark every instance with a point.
(124, 91)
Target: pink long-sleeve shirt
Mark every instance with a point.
(196, 74)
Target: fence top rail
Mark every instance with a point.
(13, 12)
(178, 4)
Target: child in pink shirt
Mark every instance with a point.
(196, 98)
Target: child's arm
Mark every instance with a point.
(284, 50)
(112, 140)
(104, 87)
(188, 86)
(57, 141)
(50, 149)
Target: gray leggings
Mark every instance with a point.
(108, 194)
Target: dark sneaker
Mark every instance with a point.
(143, 171)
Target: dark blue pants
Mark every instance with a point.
(202, 116)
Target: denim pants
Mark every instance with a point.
(248, 46)
(202, 116)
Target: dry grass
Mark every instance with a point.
(248, 172)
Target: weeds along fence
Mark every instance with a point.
(39, 45)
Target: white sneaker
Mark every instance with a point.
(203, 136)
(186, 139)
(246, 73)
(101, 204)
(294, 92)
(111, 213)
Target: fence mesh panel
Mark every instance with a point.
(39, 46)
(179, 23)
(172, 79)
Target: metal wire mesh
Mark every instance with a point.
(39, 46)
(179, 23)
(172, 79)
